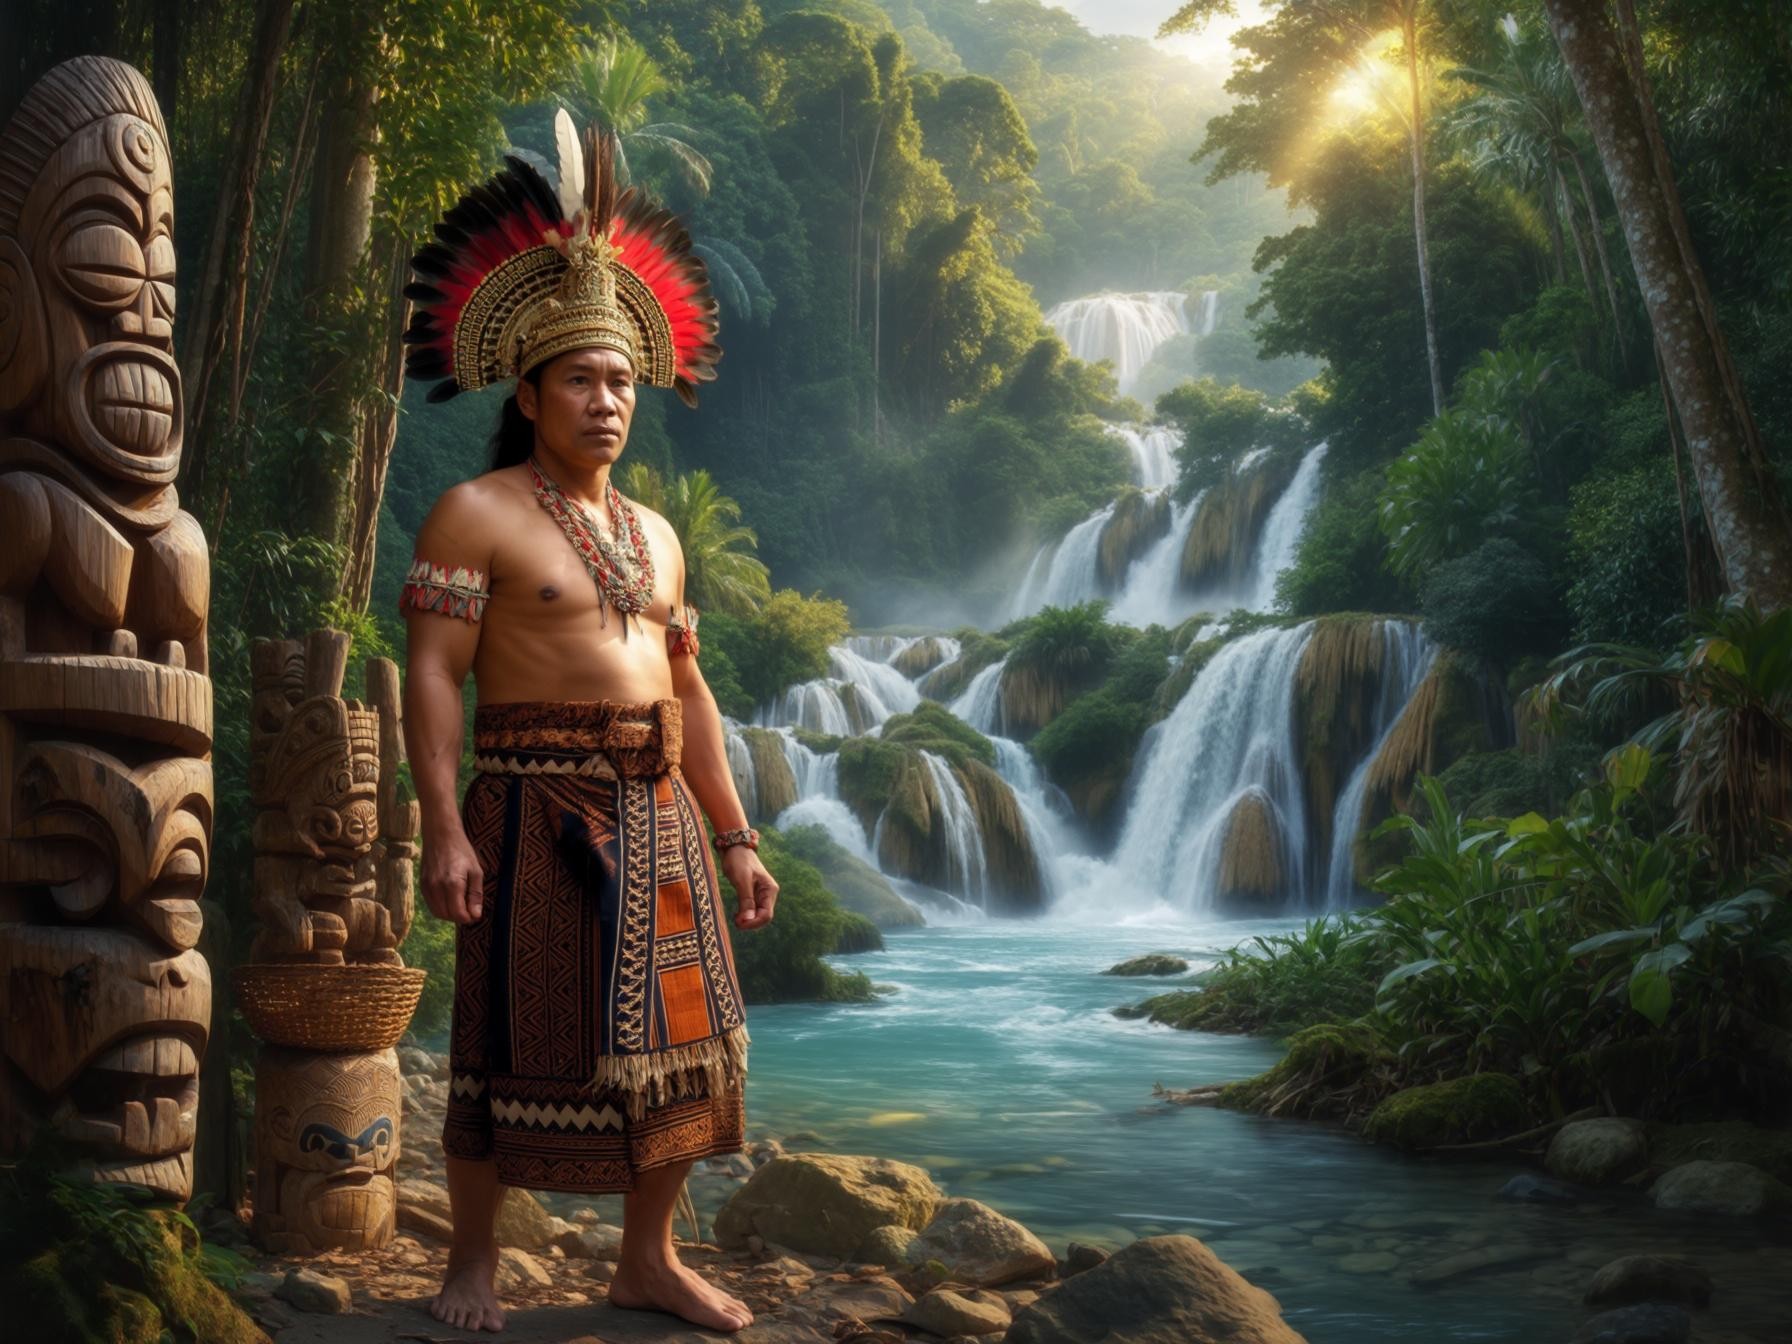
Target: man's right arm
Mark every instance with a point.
(443, 601)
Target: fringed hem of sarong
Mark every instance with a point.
(664, 1075)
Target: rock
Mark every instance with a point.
(1649, 1278)
(1367, 1262)
(600, 1241)
(1078, 1257)
(880, 1299)
(1157, 1290)
(980, 1246)
(1733, 1188)
(1723, 1141)
(518, 1269)
(1152, 963)
(523, 1222)
(826, 1203)
(418, 1193)
(944, 1312)
(1526, 1188)
(1598, 1152)
(321, 1294)
(1645, 1324)
(1458, 1110)
(886, 1246)
(424, 1223)
(1476, 1259)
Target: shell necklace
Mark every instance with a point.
(620, 565)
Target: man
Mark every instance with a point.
(599, 1039)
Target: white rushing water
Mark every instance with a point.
(1123, 328)
(1153, 449)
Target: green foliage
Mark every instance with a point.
(930, 726)
(1625, 554)
(786, 641)
(1457, 1110)
(1465, 482)
(430, 946)
(1498, 603)
(1340, 564)
(1219, 425)
(96, 1263)
(782, 961)
(1074, 643)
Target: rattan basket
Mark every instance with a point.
(332, 1008)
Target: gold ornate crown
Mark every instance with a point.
(520, 274)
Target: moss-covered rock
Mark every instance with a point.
(1722, 1141)
(1332, 1070)
(1151, 963)
(857, 934)
(1016, 883)
(1223, 533)
(977, 651)
(933, 727)
(855, 884)
(1337, 686)
(1455, 710)
(773, 783)
(1458, 1110)
(93, 1265)
(1252, 872)
(1139, 520)
(925, 654)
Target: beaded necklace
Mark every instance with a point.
(620, 565)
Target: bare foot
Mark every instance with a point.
(679, 1289)
(467, 1300)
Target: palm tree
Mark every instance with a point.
(611, 84)
(721, 571)
(1522, 124)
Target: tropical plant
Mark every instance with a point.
(612, 81)
(1466, 481)
(1728, 724)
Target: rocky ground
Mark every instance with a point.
(834, 1248)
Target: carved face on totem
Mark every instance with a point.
(326, 1145)
(87, 287)
(105, 998)
(324, 768)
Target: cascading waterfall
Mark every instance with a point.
(1406, 658)
(1153, 449)
(1070, 575)
(876, 690)
(1282, 530)
(1124, 328)
(1231, 733)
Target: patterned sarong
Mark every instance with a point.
(598, 1023)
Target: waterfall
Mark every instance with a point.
(1149, 593)
(966, 869)
(875, 690)
(1406, 658)
(1282, 530)
(1207, 315)
(1232, 734)
(1070, 576)
(981, 703)
(1123, 328)
(1153, 449)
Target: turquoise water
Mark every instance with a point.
(996, 1064)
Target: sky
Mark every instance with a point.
(1140, 18)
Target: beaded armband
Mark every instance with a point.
(744, 835)
(453, 592)
(681, 636)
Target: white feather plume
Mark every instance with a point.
(571, 154)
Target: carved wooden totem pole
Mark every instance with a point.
(334, 844)
(105, 705)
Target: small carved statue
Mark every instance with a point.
(326, 1150)
(105, 705)
(333, 840)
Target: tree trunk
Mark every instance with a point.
(233, 227)
(1409, 27)
(165, 56)
(1742, 504)
(1605, 261)
(341, 223)
(379, 432)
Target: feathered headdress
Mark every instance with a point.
(521, 273)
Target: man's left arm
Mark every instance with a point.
(705, 768)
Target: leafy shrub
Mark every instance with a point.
(1626, 557)
(1497, 602)
(782, 961)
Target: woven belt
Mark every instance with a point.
(599, 765)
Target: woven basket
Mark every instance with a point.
(332, 1008)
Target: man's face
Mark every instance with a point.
(583, 405)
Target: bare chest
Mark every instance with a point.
(540, 579)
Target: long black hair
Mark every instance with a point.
(514, 438)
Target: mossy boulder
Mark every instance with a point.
(773, 785)
(91, 1264)
(1224, 530)
(1337, 689)
(1179, 1008)
(855, 884)
(1722, 1141)
(1456, 709)
(976, 651)
(1331, 1070)
(1138, 521)
(858, 934)
(1016, 883)
(1252, 874)
(1151, 963)
(1457, 1110)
